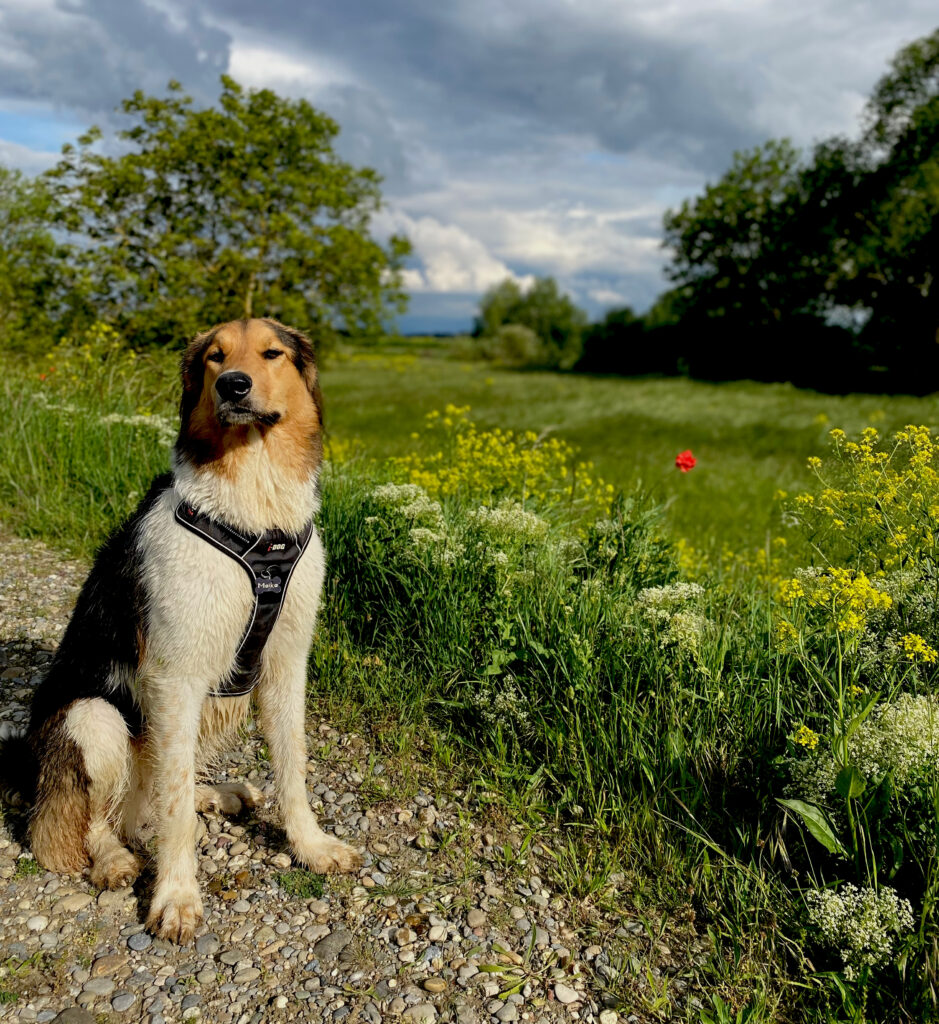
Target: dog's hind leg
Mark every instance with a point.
(99, 731)
(59, 821)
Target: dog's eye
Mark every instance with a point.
(273, 353)
(218, 356)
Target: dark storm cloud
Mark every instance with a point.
(86, 56)
(548, 69)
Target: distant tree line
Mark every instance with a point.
(192, 216)
(820, 268)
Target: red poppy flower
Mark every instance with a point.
(685, 461)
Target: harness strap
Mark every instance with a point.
(269, 560)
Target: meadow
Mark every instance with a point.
(722, 695)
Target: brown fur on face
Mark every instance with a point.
(284, 398)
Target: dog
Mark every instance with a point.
(185, 617)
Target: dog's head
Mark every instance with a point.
(249, 374)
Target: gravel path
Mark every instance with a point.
(452, 918)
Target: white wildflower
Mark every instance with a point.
(901, 738)
(657, 604)
(685, 630)
(505, 706)
(861, 924)
(509, 521)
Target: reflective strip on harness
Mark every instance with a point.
(269, 560)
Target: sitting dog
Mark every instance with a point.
(186, 613)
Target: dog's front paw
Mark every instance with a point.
(326, 855)
(174, 915)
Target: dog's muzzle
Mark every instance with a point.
(233, 386)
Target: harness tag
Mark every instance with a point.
(265, 583)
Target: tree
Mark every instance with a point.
(544, 309)
(33, 290)
(724, 242)
(232, 211)
(787, 247)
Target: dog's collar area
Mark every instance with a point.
(269, 559)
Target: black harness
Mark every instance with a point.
(269, 560)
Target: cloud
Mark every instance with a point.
(451, 260)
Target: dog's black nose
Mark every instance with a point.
(233, 385)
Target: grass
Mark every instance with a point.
(564, 664)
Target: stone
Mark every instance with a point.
(426, 1012)
(608, 1017)
(99, 986)
(74, 1015)
(565, 994)
(246, 976)
(208, 944)
(140, 941)
(435, 985)
(476, 918)
(508, 1013)
(72, 904)
(332, 945)
(37, 923)
(106, 965)
(123, 1002)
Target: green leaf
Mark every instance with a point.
(815, 821)
(850, 783)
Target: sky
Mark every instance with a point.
(515, 137)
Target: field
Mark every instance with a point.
(720, 698)
(750, 439)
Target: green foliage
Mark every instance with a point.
(33, 287)
(26, 866)
(235, 210)
(847, 234)
(544, 310)
(300, 883)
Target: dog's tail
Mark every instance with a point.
(18, 767)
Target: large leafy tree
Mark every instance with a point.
(236, 210)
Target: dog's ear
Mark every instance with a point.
(304, 358)
(192, 370)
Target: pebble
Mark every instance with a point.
(564, 994)
(476, 918)
(435, 985)
(99, 986)
(609, 1017)
(74, 1015)
(332, 945)
(421, 1012)
(123, 1002)
(72, 904)
(208, 944)
(246, 976)
(37, 923)
(140, 941)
